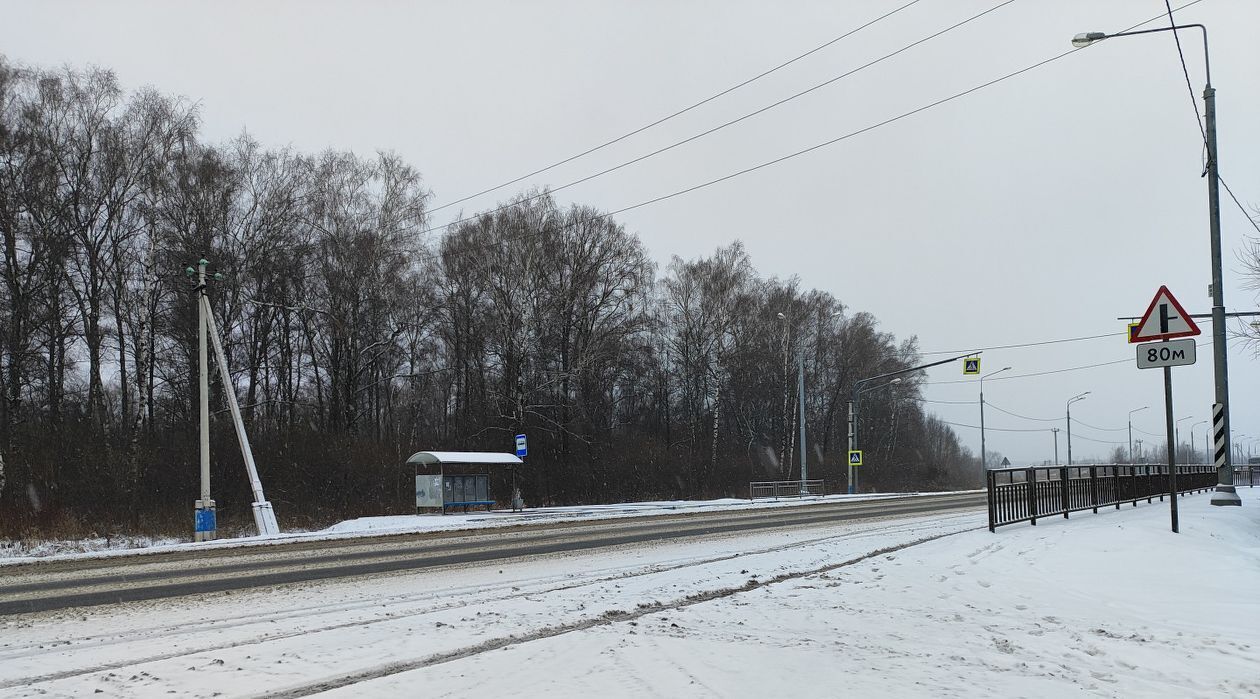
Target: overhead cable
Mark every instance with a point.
(804, 151)
(1044, 373)
(1022, 417)
(1030, 344)
(1101, 429)
(719, 127)
(994, 429)
(678, 113)
(1194, 106)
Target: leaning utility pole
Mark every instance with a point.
(264, 515)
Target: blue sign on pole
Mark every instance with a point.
(204, 520)
(520, 445)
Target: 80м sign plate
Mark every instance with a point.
(1154, 355)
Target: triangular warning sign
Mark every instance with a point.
(1164, 319)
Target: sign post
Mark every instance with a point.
(1166, 320)
(521, 451)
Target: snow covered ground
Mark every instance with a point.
(14, 552)
(1111, 604)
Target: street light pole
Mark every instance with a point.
(1135, 410)
(984, 466)
(1177, 432)
(1225, 493)
(787, 430)
(857, 390)
(1069, 422)
(1194, 454)
(800, 375)
(1055, 430)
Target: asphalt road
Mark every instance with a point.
(46, 586)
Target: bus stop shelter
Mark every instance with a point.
(445, 490)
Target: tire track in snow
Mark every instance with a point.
(606, 619)
(545, 585)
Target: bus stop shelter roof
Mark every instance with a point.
(425, 458)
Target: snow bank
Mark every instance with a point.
(18, 552)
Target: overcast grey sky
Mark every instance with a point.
(1039, 208)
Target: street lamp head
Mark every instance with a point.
(781, 316)
(895, 381)
(1080, 41)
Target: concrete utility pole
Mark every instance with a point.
(264, 515)
(205, 528)
(204, 525)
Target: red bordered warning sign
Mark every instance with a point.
(1164, 319)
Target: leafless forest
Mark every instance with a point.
(357, 336)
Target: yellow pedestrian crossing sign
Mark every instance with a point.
(855, 457)
(971, 365)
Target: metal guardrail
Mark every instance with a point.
(1024, 494)
(1247, 476)
(784, 489)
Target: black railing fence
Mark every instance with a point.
(1024, 494)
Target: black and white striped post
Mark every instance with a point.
(1219, 443)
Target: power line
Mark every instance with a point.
(1100, 441)
(799, 153)
(1101, 429)
(994, 429)
(1194, 105)
(715, 129)
(1237, 203)
(1022, 417)
(1051, 419)
(1029, 344)
(1026, 376)
(947, 402)
(680, 112)
(1007, 429)
(1044, 373)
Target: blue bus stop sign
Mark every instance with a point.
(520, 445)
(204, 520)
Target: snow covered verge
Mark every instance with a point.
(25, 551)
(1111, 604)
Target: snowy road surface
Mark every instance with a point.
(78, 581)
(1105, 605)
